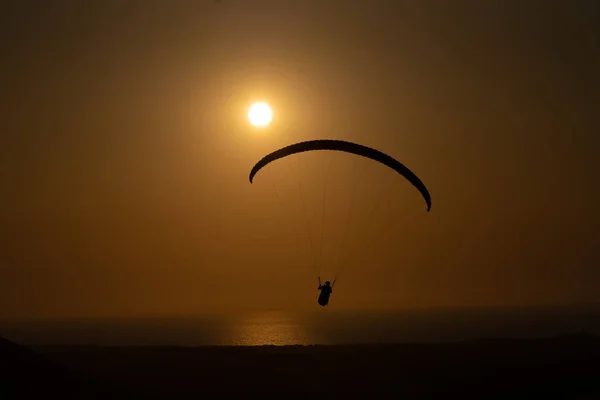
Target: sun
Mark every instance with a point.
(260, 114)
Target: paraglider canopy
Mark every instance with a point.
(348, 147)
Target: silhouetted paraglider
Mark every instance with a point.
(347, 147)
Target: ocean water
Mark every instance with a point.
(325, 327)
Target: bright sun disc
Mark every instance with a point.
(260, 114)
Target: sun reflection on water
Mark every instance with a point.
(274, 328)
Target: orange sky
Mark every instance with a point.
(125, 154)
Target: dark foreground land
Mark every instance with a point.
(563, 367)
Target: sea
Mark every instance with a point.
(326, 327)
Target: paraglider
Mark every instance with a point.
(347, 147)
(326, 291)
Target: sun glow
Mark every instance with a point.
(260, 114)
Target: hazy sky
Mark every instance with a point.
(125, 153)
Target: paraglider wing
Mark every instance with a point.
(348, 147)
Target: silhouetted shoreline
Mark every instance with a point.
(566, 366)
